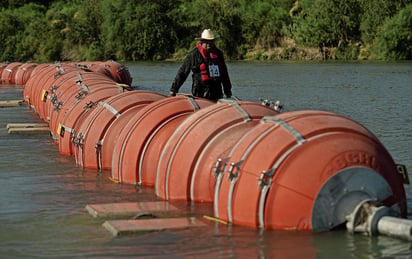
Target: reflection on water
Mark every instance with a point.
(43, 194)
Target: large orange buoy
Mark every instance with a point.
(139, 145)
(77, 112)
(93, 128)
(23, 73)
(9, 72)
(184, 148)
(305, 170)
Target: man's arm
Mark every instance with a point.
(181, 75)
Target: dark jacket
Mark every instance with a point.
(211, 89)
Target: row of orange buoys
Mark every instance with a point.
(16, 72)
(304, 170)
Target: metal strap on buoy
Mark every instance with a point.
(196, 107)
(181, 139)
(265, 179)
(245, 115)
(149, 141)
(193, 102)
(122, 150)
(236, 105)
(121, 87)
(60, 71)
(62, 129)
(109, 108)
(98, 148)
(83, 92)
(234, 178)
(129, 133)
(233, 175)
(220, 170)
(78, 141)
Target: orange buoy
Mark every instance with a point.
(93, 128)
(119, 72)
(139, 145)
(305, 170)
(179, 156)
(95, 66)
(23, 73)
(2, 67)
(9, 72)
(99, 67)
(77, 112)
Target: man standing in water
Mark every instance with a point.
(209, 71)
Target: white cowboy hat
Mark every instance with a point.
(207, 34)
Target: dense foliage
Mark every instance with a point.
(163, 29)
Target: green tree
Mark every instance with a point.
(264, 23)
(85, 28)
(8, 25)
(394, 40)
(145, 30)
(139, 31)
(374, 14)
(327, 24)
(31, 18)
(19, 32)
(221, 16)
(56, 35)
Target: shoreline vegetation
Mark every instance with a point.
(252, 30)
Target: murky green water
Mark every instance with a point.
(43, 194)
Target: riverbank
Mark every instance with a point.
(290, 51)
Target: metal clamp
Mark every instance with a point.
(234, 170)
(58, 105)
(219, 166)
(53, 89)
(98, 147)
(265, 178)
(90, 105)
(53, 99)
(78, 139)
(80, 94)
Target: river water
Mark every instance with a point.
(43, 194)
